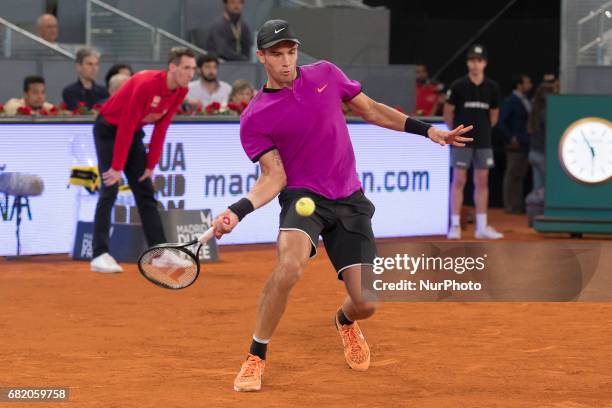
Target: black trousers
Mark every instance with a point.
(144, 193)
(517, 167)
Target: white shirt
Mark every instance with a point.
(199, 92)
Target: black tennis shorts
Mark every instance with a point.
(345, 225)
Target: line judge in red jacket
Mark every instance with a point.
(147, 97)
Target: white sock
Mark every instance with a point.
(262, 341)
(481, 221)
(455, 220)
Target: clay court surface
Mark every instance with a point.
(119, 341)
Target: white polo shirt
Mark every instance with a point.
(198, 91)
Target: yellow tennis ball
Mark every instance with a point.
(305, 206)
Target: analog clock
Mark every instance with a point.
(585, 150)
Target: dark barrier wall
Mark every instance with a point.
(526, 38)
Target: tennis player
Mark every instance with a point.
(296, 130)
(147, 97)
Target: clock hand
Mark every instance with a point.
(589, 145)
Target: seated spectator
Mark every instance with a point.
(242, 92)
(123, 69)
(241, 95)
(115, 83)
(426, 92)
(47, 28)
(85, 90)
(33, 97)
(208, 88)
(229, 37)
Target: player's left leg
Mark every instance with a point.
(297, 243)
(144, 192)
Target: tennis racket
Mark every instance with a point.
(174, 266)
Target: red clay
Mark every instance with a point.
(119, 341)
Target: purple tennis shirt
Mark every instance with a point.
(306, 125)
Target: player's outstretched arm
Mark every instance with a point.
(270, 183)
(387, 117)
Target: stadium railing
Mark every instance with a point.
(17, 43)
(595, 36)
(119, 35)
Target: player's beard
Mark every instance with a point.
(209, 79)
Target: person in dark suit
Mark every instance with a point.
(513, 124)
(85, 90)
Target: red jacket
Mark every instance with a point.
(144, 98)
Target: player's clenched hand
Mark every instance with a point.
(450, 137)
(110, 177)
(221, 225)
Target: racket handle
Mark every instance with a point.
(211, 232)
(207, 235)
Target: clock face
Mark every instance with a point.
(585, 150)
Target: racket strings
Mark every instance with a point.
(170, 267)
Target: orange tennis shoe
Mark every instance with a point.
(251, 373)
(356, 350)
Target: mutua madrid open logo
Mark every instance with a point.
(170, 178)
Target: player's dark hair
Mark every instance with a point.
(29, 80)
(177, 53)
(210, 57)
(114, 70)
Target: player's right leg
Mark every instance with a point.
(104, 138)
(354, 308)
(461, 159)
(294, 250)
(351, 247)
